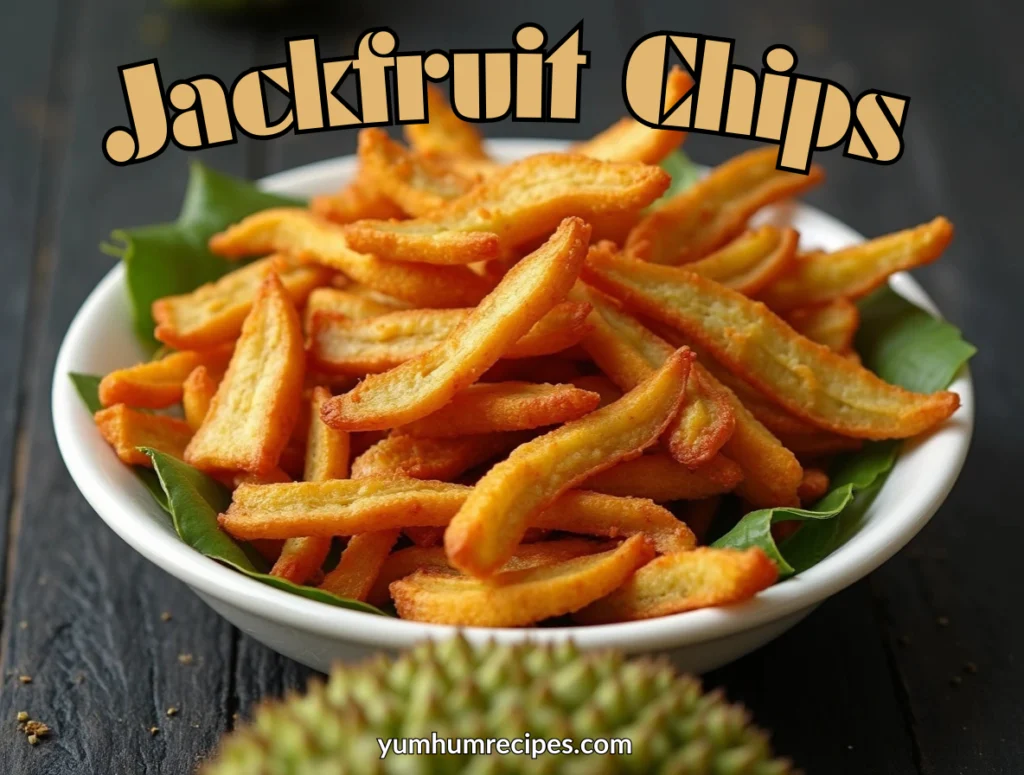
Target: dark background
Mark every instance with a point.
(913, 670)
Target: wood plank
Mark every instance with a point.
(104, 665)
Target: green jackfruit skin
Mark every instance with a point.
(494, 691)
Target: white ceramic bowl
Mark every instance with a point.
(100, 339)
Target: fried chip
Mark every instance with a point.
(212, 314)
(158, 384)
(370, 346)
(354, 202)
(813, 486)
(715, 210)
(520, 597)
(751, 261)
(360, 564)
(444, 132)
(300, 559)
(418, 183)
(427, 382)
(662, 479)
(806, 378)
(518, 204)
(341, 303)
(310, 238)
(442, 459)
(126, 430)
(833, 325)
(628, 353)
(600, 384)
(251, 416)
(490, 407)
(197, 392)
(489, 526)
(629, 140)
(819, 278)
(684, 582)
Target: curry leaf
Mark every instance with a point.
(172, 258)
(904, 345)
(195, 501)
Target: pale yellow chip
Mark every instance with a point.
(197, 394)
(160, 383)
(833, 325)
(751, 261)
(443, 459)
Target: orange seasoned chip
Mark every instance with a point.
(360, 563)
(252, 414)
(212, 314)
(808, 379)
(442, 459)
(813, 486)
(372, 345)
(126, 430)
(833, 325)
(427, 382)
(713, 211)
(158, 384)
(751, 261)
(519, 597)
(683, 582)
(660, 478)
(444, 132)
(310, 238)
(491, 523)
(197, 394)
(819, 278)
(629, 140)
(518, 204)
(490, 407)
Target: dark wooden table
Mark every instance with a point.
(917, 669)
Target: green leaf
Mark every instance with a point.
(195, 501)
(684, 173)
(88, 387)
(172, 258)
(904, 345)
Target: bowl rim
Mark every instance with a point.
(860, 555)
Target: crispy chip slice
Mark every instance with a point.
(441, 459)
(341, 303)
(370, 346)
(806, 378)
(360, 564)
(600, 384)
(212, 314)
(625, 350)
(813, 486)
(490, 525)
(354, 202)
(444, 132)
(833, 325)
(158, 384)
(683, 582)
(661, 479)
(197, 394)
(819, 278)
(518, 204)
(426, 537)
(311, 238)
(751, 261)
(126, 430)
(490, 407)
(418, 183)
(407, 561)
(251, 417)
(629, 140)
(716, 209)
(520, 597)
(427, 382)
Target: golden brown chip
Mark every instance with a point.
(600, 384)
(490, 407)
(819, 278)
(489, 526)
(311, 238)
(300, 559)
(518, 204)
(806, 378)
(427, 382)
(751, 261)
(370, 346)
(520, 597)
(833, 325)
(158, 384)
(197, 394)
(716, 209)
(441, 459)
(813, 486)
(354, 202)
(418, 183)
(660, 478)
(360, 563)
(629, 140)
(126, 430)
(683, 582)
(212, 314)
(251, 417)
(444, 132)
